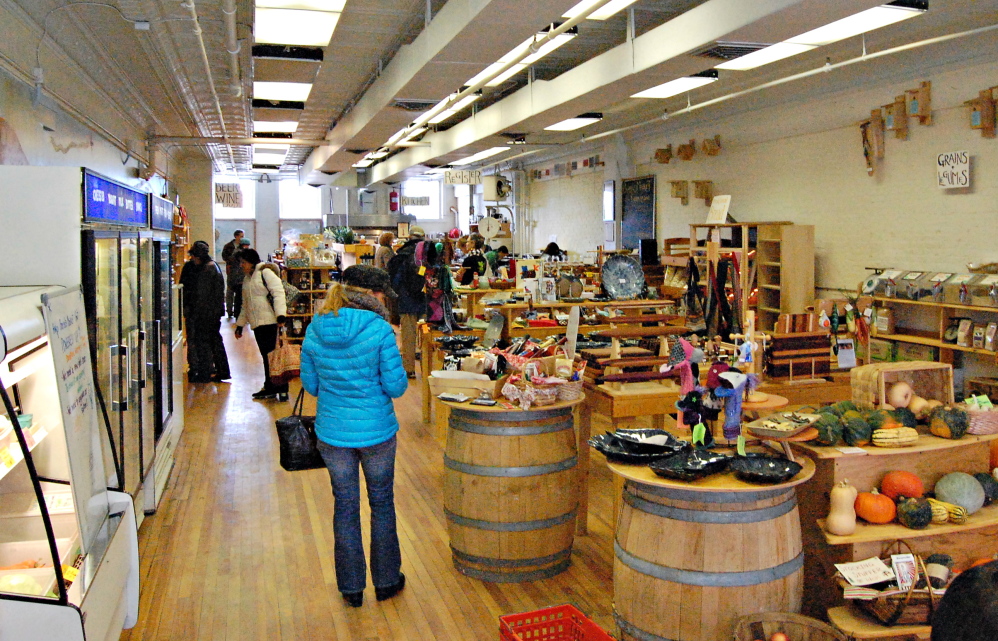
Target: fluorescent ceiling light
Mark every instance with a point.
(772, 53)
(482, 155)
(294, 27)
(604, 12)
(542, 50)
(677, 86)
(292, 91)
(454, 108)
(575, 123)
(363, 162)
(418, 131)
(270, 148)
(272, 127)
(307, 5)
(856, 24)
(380, 153)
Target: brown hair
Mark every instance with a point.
(386, 239)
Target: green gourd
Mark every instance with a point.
(990, 486)
(949, 422)
(829, 429)
(960, 489)
(856, 431)
(915, 514)
(844, 406)
(905, 416)
(882, 420)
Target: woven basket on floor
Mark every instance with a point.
(797, 627)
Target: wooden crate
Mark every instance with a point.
(982, 385)
(933, 381)
(803, 355)
(468, 387)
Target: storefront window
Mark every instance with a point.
(299, 201)
(421, 198)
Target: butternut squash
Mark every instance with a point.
(842, 515)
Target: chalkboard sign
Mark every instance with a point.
(637, 217)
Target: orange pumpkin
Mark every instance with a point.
(874, 507)
(983, 561)
(994, 454)
(899, 483)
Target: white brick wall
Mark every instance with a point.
(570, 208)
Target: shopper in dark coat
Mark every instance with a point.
(232, 269)
(408, 284)
(205, 350)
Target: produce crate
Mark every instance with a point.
(797, 627)
(882, 351)
(557, 623)
(933, 381)
(470, 388)
(908, 352)
(982, 385)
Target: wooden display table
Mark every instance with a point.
(859, 626)
(431, 358)
(691, 558)
(474, 297)
(930, 459)
(511, 490)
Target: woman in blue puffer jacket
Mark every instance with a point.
(351, 362)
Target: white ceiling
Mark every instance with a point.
(155, 83)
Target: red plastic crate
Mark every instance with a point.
(557, 623)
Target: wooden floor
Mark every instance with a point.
(240, 549)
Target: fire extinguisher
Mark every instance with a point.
(393, 200)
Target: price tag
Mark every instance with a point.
(70, 573)
(6, 459)
(741, 445)
(699, 433)
(422, 270)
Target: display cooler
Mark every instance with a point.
(68, 545)
(74, 227)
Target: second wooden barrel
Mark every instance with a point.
(688, 563)
(510, 492)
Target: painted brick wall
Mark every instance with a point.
(571, 209)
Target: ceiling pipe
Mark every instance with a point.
(189, 5)
(232, 46)
(225, 140)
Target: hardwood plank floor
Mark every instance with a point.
(240, 549)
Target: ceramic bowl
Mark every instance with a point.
(636, 440)
(614, 452)
(764, 469)
(690, 465)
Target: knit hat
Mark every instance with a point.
(368, 277)
(416, 232)
(245, 241)
(199, 250)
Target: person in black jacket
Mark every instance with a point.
(205, 350)
(408, 284)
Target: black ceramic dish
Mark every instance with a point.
(615, 452)
(764, 469)
(690, 465)
(457, 341)
(632, 440)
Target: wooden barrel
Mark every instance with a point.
(510, 492)
(689, 563)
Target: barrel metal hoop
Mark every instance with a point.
(512, 563)
(701, 516)
(510, 472)
(513, 577)
(629, 629)
(520, 430)
(514, 526)
(709, 579)
(709, 497)
(534, 415)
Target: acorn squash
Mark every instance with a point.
(914, 514)
(882, 420)
(856, 431)
(949, 422)
(990, 486)
(905, 417)
(829, 429)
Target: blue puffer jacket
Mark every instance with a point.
(352, 363)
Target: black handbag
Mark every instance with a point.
(296, 435)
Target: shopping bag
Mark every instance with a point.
(285, 362)
(296, 436)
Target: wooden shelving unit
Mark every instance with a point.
(306, 280)
(930, 459)
(921, 322)
(180, 241)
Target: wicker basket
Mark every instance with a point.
(544, 394)
(795, 626)
(870, 383)
(982, 421)
(914, 607)
(570, 391)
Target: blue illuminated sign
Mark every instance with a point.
(108, 202)
(161, 210)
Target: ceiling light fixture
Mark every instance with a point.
(679, 85)
(285, 91)
(493, 74)
(293, 22)
(453, 109)
(578, 122)
(847, 27)
(267, 126)
(482, 155)
(606, 11)
(363, 162)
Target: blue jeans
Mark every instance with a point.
(378, 462)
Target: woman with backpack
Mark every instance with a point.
(264, 308)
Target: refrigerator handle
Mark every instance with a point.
(118, 402)
(128, 374)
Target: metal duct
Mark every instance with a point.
(232, 46)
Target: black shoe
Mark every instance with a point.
(411, 374)
(353, 599)
(390, 591)
(266, 392)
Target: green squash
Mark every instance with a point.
(990, 486)
(914, 514)
(856, 431)
(960, 489)
(831, 410)
(829, 429)
(949, 422)
(845, 406)
(905, 417)
(882, 420)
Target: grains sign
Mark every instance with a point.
(953, 170)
